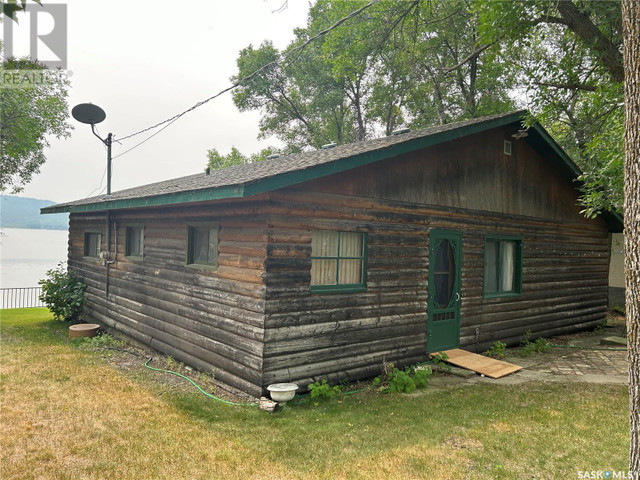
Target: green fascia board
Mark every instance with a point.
(231, 191)
(366, 158)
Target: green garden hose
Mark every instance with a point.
(577, 347)
(146, 364)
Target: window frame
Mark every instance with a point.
(344, 287)
(517, 290)
(127, 242)
(85, 247)
(190, 261)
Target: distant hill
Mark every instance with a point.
(21, 212)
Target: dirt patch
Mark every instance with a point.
(162, 371)
(459, 443)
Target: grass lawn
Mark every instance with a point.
(65, 413)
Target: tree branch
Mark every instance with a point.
(606, 52)
(476, 53)
(567, 86)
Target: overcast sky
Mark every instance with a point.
(143, 62)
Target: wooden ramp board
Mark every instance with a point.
(479, 363)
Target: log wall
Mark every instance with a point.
(212, 319)
(348, 335)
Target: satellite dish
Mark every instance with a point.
(88, 113)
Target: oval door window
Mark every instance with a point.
(444, 274)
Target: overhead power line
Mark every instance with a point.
(297, 50)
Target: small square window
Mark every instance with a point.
(502, 266)
(91, 244)
(338, 261)
(202, 248)
(134, 243)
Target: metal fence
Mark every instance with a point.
(25, 297)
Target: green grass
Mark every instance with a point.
(67, 414)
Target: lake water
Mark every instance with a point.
(27, 254)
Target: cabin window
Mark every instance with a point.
(202, 248)
(134, 242)
(338, 261)
(502, 266)
(91, 244)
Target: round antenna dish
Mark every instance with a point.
(88, 113)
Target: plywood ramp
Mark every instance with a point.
(479, 363)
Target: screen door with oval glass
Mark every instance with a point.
(443, 304)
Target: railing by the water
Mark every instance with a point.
(24, 297)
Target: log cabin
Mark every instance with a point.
(327, 263)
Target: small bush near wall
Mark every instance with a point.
(63, 293)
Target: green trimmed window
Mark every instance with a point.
(502, 266)
(338, 261)
(92, 244)
(202, 248)
(134, 243)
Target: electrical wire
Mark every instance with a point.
(297, 50)
(145, 140)
(99, 186)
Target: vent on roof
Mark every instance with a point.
(400, 131)
(507, 147)
(329, 145)
(275, 155)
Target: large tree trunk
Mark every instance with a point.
(631, 34)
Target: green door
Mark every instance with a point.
(443, 304)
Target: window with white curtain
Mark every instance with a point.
(338, 261)
(502, 266)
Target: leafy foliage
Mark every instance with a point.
(32, 110)
(63, 293)
(539, 345)
(323, 391)
(498, 350)
(394, 380)
(569, 69)
(235, 157)
(390, 66)
(440, 360)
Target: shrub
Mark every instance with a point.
(63, 293)
(540, 345)
(394, 380)
(440, 362)
(323, 391)
(498, 350)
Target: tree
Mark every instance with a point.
(235, 157)
(389, 67)
(569, 65)
(631, 29)
(34, 105)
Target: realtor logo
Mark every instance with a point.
(41, 34)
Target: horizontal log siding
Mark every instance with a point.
(348, 336)
(212, 319)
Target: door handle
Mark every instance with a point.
(457, 296)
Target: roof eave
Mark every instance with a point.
(202, 195)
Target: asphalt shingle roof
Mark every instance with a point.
(233, 181)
